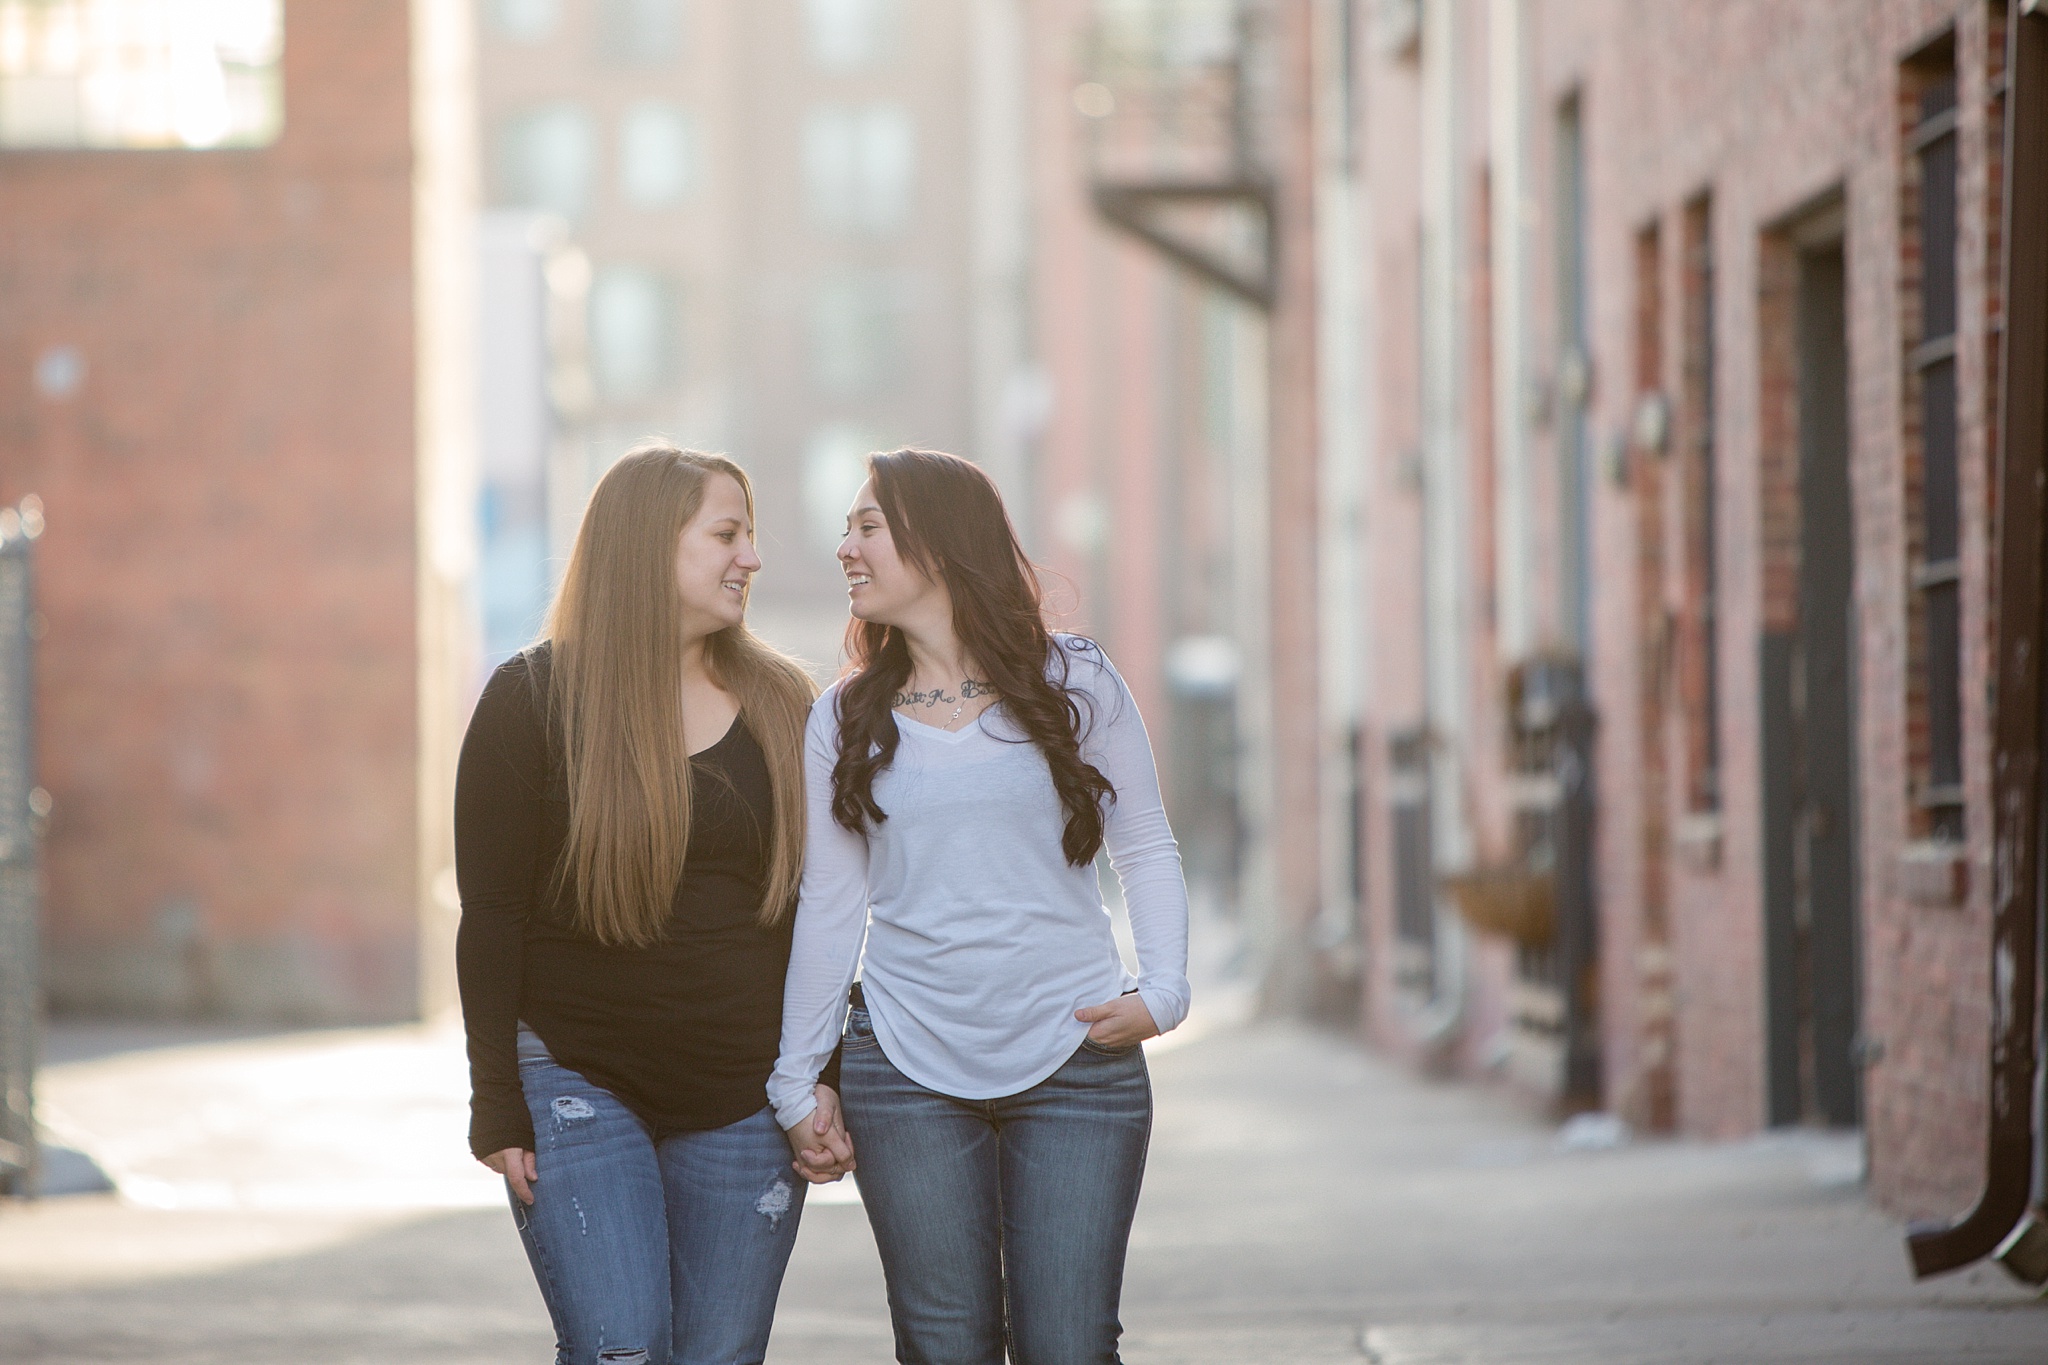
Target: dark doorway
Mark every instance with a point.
(1809, 739)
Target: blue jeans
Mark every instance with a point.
(1002, 1223)
(653, 1253)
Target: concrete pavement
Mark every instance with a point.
(304, 1198)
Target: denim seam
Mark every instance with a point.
(1002, 1249)
(545, 1264)
(1101, 1051)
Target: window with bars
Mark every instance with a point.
(1934, 523)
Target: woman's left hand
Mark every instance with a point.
(1122, 1022)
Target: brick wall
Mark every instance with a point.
(1712, 128)
(228, 679)
(1769, 111)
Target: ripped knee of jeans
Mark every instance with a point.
(622, 1355)
(568, 1108)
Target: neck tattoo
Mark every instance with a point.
(970, 688)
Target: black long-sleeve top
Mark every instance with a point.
(685, 1031)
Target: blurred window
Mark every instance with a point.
(633, 333)
(657, 154)
(141, 73)
(640, 32)
(524, 21)
(1186, 33)
(860, 166)
(849, 34)
(857, 332)
(545, 159)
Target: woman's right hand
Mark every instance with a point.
(823, 1150)
(517, 1165)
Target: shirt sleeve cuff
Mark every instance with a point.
(489, 1136)
(790, 1115)
(792, 1100)
(1167, 1009)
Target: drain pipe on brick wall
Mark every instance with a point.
(1446, 520)
(2009, 1221)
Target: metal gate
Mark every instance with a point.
(1555, 993)
(22, 807)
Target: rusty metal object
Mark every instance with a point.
(1510, 901)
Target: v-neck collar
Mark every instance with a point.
(950, 736)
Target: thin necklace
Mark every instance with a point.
(969, 689)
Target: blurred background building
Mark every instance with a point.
(787, 230)
(233, 321)
(1533, 459)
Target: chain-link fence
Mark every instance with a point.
(22, 807)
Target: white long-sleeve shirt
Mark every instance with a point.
(981, 939)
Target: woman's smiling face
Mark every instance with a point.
(881, 586)
(715, 558)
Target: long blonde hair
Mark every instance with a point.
(617, 697)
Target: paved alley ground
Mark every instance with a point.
(305, 1199)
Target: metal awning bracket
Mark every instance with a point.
(1146, 210)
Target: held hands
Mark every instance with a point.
(824, 1152)
(1122, 1022)
(518, 1167)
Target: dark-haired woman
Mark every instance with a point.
(962, 778)
(629, 826)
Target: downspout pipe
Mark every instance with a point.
(1445, 519)
(2017, 835)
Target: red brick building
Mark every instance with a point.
(1707, 330)
(225, 352)
(1627, 497)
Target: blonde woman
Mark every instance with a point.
(629, 828)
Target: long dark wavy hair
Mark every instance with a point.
(947, 520)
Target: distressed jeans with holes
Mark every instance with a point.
(647, 1253)
(1002, 1223)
